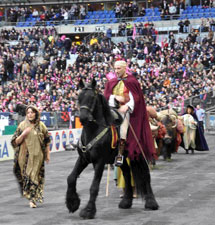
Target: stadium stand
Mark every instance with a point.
(36, 62)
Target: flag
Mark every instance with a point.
(146, 50)
(70, 120)
(134, 32)
(162, 42)
(110, 75)
(205, 96)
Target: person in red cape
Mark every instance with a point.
(126, 90)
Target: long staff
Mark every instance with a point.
(141, 149)
(108, 179)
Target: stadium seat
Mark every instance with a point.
(137, 19)
(115, 20)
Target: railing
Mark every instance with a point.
(151, 18)
(53, 120)
(62, 120)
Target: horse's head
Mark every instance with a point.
(87, 101)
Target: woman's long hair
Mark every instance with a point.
(37, 116)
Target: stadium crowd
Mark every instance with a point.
(35, 67)
(75, 11)
(56, 13)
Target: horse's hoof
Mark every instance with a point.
(88, 213)
(151, 204)
(125, 203)
(73, 203)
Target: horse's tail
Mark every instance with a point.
(141, 174)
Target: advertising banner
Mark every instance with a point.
(46, 118)
(6, 150)
(212, 121)
(61, 138)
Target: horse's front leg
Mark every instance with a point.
(72, 198)
(90, 210)
(126, 202)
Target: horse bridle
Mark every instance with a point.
(92, 107)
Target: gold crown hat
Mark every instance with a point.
(120, 63)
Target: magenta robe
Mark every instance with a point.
(138, 119)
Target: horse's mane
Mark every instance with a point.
(106, 110)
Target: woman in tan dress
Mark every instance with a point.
(190, 124)
(31, 144)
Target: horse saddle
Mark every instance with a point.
(117, 118)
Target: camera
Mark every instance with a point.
(20, 109)
(19, 113)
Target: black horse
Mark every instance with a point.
(94, 147)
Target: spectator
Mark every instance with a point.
(181, 7)
(200, 113)
(193, 138)
(186, 26)
(82, 12)
(164, 5)
(118, 10)
(35, 13)
(181, 26)
(135, 9)
(172, 11)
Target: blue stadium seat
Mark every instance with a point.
(102, 16)
(19, 24)
(115, 20)
(157, 13)
(190, 16)
(182, 17)
(143, 19)
(92, 16)
(190, 11)
(195, 16)
(107, 21)
(78, 22)
(149, 18)
(27, 24)
(207, 15)
(97, 16)
(138, 19)
(108, 16)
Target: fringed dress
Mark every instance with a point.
(29, 160)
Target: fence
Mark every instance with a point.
(53, 120)
(65, 120)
